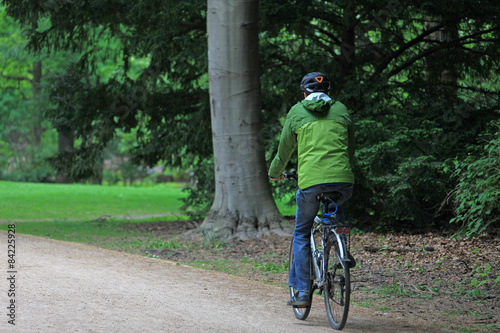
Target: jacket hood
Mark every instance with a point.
(317, 102)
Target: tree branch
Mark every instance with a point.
(16, 78)
(405, 47)
(329, 35)
(325, 47)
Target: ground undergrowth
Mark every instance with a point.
(452, 283)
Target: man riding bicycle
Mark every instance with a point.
(322, 131)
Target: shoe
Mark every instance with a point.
(300, 301)
(352, 262)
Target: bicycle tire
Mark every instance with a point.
(300, 312)
(337, 288)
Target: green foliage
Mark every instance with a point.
(213, 238)
(28, 138)
(160, 244)
(483, 276)
(394, 289)
(200, 196)
(477, 196)
(416, 102)
(279, 268)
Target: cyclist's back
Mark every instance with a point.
(321, 129)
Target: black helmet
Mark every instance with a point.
(315, 82)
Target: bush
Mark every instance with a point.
(477, 196)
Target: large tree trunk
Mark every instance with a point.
(243, 206)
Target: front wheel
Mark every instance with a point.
(300, 312)
(337, 288)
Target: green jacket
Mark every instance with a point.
(322, 131)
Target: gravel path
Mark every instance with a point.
(70, 287)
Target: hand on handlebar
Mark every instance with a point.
(290, 175)
(277, 179)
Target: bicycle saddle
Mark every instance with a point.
(335, 196)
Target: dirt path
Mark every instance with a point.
(69, 287)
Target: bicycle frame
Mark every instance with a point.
(317, 256)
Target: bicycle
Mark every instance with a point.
(330, 271)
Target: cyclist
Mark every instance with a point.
(321, 129)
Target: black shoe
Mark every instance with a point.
(352, 262)
(300, 301)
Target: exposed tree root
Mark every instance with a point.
(229, 226)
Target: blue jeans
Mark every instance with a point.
(307, 209)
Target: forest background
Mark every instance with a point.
(118, 91)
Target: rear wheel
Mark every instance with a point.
(300, 312)
(337, 288)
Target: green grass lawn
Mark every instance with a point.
(78, 202)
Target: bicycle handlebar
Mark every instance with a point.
(291, 175)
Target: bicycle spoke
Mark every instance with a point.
(337, 289)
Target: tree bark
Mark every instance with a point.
(37, 113)
(347, 46)
(243, 206)
(65, 143)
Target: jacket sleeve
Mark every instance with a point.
(287, 145)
